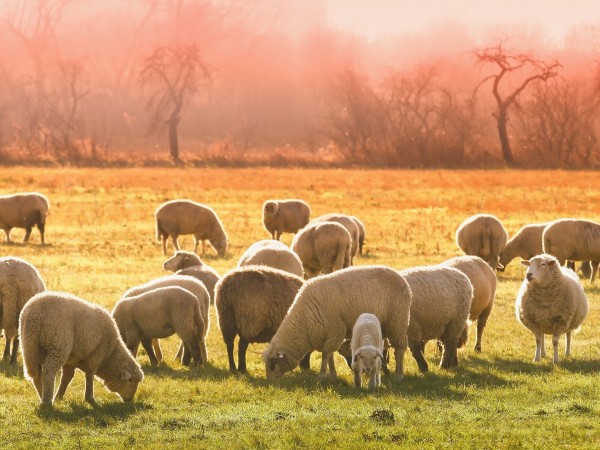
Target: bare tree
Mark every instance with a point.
(175, 74)
(524, 66)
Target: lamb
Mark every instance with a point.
(367, 350)
(195, 287)
(285, 216)
(575, 240)
(482, 235)
(326, 309)
(272, 253)
(483, 279)
(347, 222)
(550, 301)
(160, 313)
(19, 282)
(61, 330)
(24, 210)
(361, 234)
(180, 217)
(188, 263)
(441, 300)
(251, 302)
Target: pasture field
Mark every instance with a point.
(101, 241)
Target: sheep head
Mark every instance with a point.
(367, 360)
(541, 269)
(276, 363)
(270, 209)
(182, 260)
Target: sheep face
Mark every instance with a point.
(367, 360)
(125, 384)
(276, 364)
(178, 261)
(220, 247)
(541, 269)
(270, 209)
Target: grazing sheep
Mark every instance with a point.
(285, 216)
(322, 247)
(550, 301)
(188, 263)
(441, 300)
(361, 233)
(525, 244)
(180, 217)
(19, 281)
(160, 313)
(367, 349)
(483, 279)
(251, 302)
(326, 309)
(482, 235)
(23, 210)
(272, 253)
(195, 287)
(61, 330)
(575, 240)
(349, 224)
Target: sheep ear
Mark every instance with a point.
(551, 262)
(525, 263)
(380, 354)
(125, 375)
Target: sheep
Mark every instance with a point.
(195, 287)
(361, 234)
(285, 216)
(272, 253)
(550, 301)
(180, 217)
(482, 235)
(322, 248)
(19, 281)
(441, 300)
(367, 349)
(61, 330)
(23, 210)
(251, 302)
(575, 240)
(326, 309)
(347, 222)
(483, 279)
(188, 263)
(160, 313)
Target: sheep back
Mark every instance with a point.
(482, 235)
(572, 239)
(347, 222)
(274, 254)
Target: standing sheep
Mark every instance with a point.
(349, 224)
(272, 253)
(550, 301)
(326, 309)
(367, 349)
(441, 300)
(483, 279)
(575, 240)
(525, 244)
(60, 330)
(23, 210)
(285, 216)
(188, 263)
(19, 281)
(482, 235)
(251, 302)
(160, 313)
(322, 247)
(180, 217)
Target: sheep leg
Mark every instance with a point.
(49, 370)
(555, 340)
(204, 352)
(481, 323)
(305, 361)
(568, 348)
(331, 363)
(327, 359)
(6, 347)
(543, 351)
(417, 351)
(595, 265)
(68, 372)
(89, 388)
(41, 226)
(7, 231)
(15, 351)
(164, 244)
(186, 356)
(373, 376)
(27, 234)
(192, 347)
(230, 343)
(179, 353)
(539, 345)
(147, 344)
(450, 355)
(203, 246)
(156, 350)
(357, 379)
(242, 347)
(399, 354)
(277, 235)
(37, 383)
(175, 243)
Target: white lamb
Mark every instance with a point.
(367, 349)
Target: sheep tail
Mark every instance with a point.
(485, 245)
(159, 231)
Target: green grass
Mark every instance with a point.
(101, 242)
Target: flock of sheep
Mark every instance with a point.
(298, 300)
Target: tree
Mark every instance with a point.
(175, 73)
(508, 64)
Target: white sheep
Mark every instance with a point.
(483, 279)
(441, 300)
(285, 216)
(575, 240)
(349, 223)
(188, 263)
(23, 210)
(326, 309)
(181, 217)
(272, 253)
(322, 247)
(19, 282)
(525, 244)
(60, 330)
(251, 302)
(550, 301)
(482, 235)
(367, 349)
(158, 314)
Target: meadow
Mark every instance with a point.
(101, 240)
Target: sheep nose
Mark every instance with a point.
(529, 276)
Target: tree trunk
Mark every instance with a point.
(503, 133)
(173, 142)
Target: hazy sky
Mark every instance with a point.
(554, 17)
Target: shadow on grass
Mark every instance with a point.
(11, 370)
(101, 415)
(24, 244)
(545, 366)
(180, 372)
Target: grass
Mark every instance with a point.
(101, 241)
